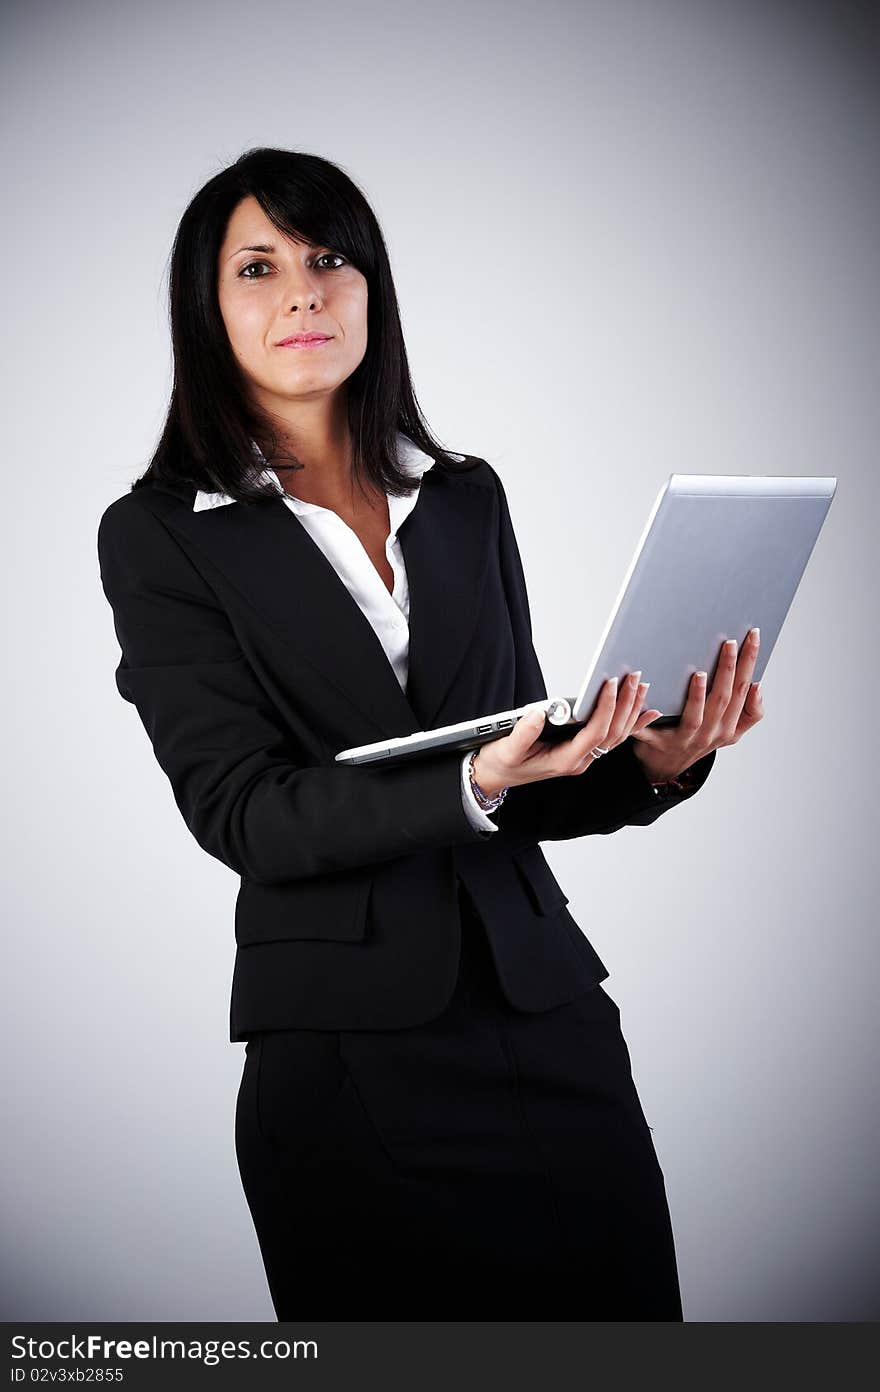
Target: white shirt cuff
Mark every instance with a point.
(476, 816)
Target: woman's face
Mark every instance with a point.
(268, 295)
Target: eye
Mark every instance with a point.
(250, 265)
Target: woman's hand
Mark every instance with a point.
(733, 706)
(521, 757)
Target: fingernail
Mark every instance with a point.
(701, 677)
(730, 644)
(755, 634)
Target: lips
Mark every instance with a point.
(306, 340)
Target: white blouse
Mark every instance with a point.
(388, 613)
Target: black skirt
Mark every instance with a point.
(488, 1165)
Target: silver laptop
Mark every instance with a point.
(718, 555)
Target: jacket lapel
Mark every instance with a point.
(270, 558)
(446, 542)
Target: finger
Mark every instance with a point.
(722, 688)
(627, 712)
(599, 723)
(576, 755)
(726, 721)
(629, 700)
(636, 709)
(606, 728)
(628, 705)
(526, 731)
(741, 686)
(694, 713)
(514, 749)
(645, 720)
(749, 654)
(752, 711)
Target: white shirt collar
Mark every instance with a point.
(414, 461)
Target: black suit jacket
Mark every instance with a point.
(251, 666)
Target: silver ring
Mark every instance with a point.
(598, 751)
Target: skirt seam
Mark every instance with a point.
(542, 1168)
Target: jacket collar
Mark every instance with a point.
(265, 552)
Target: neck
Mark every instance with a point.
(316, 445)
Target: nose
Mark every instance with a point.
(303, 293)
(308, 298)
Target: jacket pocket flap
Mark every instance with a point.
(324, 907)
(544, 890)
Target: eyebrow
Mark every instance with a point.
(263, 246)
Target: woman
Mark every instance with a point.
(437, 1117)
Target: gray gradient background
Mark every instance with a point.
(629, 238)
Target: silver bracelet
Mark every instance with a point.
(485, 804)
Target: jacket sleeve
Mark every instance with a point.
(244, 787)
(614, 791)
